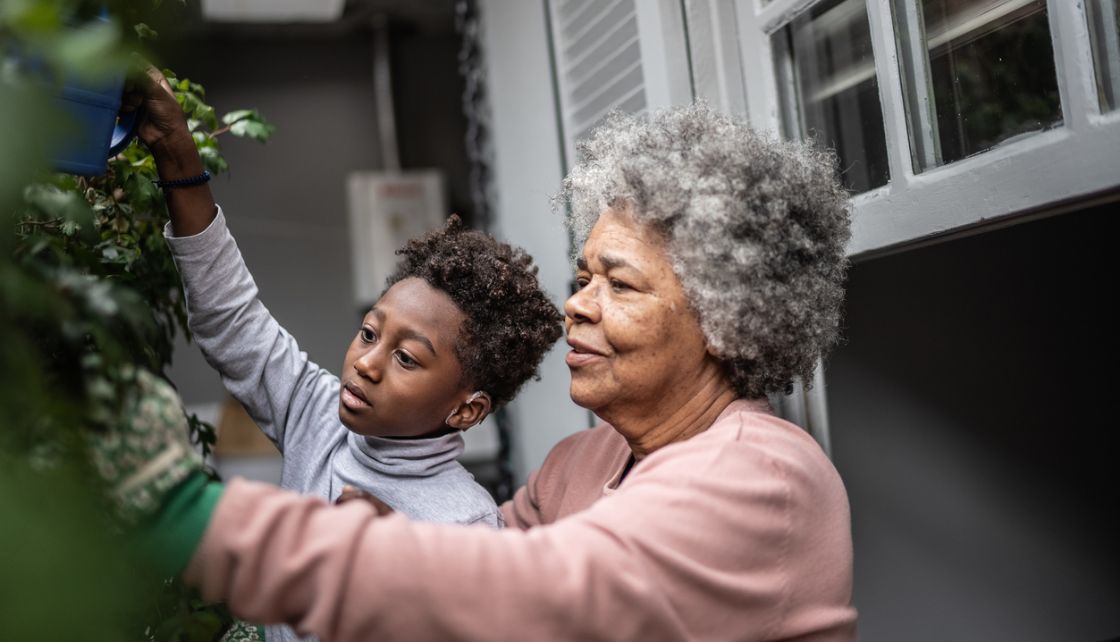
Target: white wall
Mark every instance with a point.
(528, 170)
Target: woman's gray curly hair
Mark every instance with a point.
(755, 228)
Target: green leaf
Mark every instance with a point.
(30, 15)
(49, 202)
(234, 116)
(189, 102)
(212, 159)
(248, 123)
(208, 117)
(100, 388)
(145, 163)
(144, 32)
(249, 128)
(52, 202)
(91, 50)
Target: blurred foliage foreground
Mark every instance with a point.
(87, 287)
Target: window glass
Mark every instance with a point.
(829, 90)
(1104, 27)
(976, 73)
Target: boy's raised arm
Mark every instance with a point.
(259, 362)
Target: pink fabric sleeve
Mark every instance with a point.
(679, 554)
(524, 510)
(527, 509)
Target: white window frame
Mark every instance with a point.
(1026, 175)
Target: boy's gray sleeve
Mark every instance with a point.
(259, 362)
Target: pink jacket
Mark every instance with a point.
(739, 533)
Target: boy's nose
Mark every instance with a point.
(368, 364)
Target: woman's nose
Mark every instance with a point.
(583, 306)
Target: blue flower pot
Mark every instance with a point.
(98, 133)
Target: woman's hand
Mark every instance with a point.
(163, 127)
(149, 452)
(349, 493)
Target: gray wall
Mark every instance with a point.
(972, 424)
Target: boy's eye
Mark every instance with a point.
(367, 335)
(405, 360)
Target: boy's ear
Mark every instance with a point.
(471, 412)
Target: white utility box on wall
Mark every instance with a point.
(386, 210)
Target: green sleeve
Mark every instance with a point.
(170, 539)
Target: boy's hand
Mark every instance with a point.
(163, 128)
(349, 493)
(163, 123)
(149, 453)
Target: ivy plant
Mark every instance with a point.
(87, 290)
(101, 238)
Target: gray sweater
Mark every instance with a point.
(295, 402)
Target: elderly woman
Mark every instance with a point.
(710, 275)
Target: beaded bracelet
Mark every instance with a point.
(185, 182)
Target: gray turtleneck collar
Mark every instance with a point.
(407, 457)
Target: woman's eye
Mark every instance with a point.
(367, 335)
(405, 360)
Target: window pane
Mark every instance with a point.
(976, 73)
(1104, 25)
(829, 90)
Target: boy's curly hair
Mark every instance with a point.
(510, 323)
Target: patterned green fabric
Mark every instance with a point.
(243, 632)
(150, 452)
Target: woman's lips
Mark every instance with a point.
(576, 359)
(353, 398)
(582, 354)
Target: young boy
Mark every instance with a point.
(462, 325)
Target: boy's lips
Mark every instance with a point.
(353, 397)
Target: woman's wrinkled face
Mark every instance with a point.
(636, 343)
(400, 376)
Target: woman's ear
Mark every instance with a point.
(710, 349)
(471, 412)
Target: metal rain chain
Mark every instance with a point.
(480, 154)
(479, 148)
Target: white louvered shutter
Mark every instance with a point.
(616, 54)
